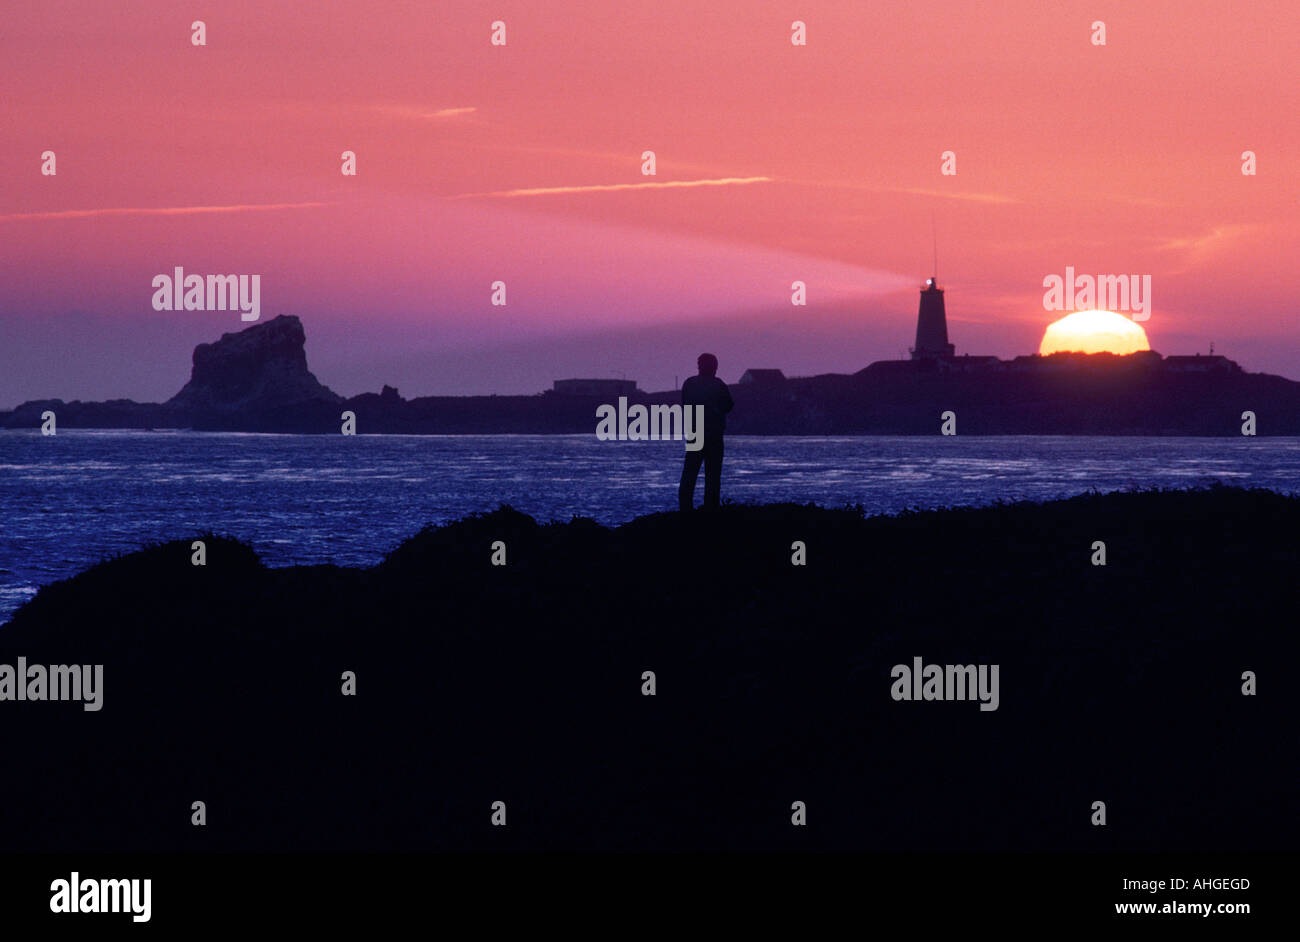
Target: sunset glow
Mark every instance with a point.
(523, 163)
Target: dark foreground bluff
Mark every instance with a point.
(523, 684)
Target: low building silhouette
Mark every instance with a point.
(1201, 364)
(762, 378)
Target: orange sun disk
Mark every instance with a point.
(1093, 332)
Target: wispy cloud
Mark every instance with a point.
(1216, 238)
(1197, 249)
(969, 197)
(162, 210)
(423, 114)
(914, 191)
(624, 157)
(612, 187)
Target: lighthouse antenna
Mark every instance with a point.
(934, 235)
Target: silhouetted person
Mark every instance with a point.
(712, 393)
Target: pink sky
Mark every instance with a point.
(1120, 159)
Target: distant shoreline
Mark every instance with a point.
(587, 434)
(257, 380)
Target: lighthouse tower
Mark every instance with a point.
(931, 325)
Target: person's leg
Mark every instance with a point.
(690, 471)
(713, 473)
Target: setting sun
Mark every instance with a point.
(1093, 332)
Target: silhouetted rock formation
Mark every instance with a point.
(522, 683)
(257, 380)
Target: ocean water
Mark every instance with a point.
(69, 500)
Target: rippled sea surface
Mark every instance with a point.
(69, 500)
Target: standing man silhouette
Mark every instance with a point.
(712, 393)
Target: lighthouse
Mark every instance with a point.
(931, 325)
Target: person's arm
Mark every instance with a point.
(727, 403)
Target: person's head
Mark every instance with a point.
(708, 364)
